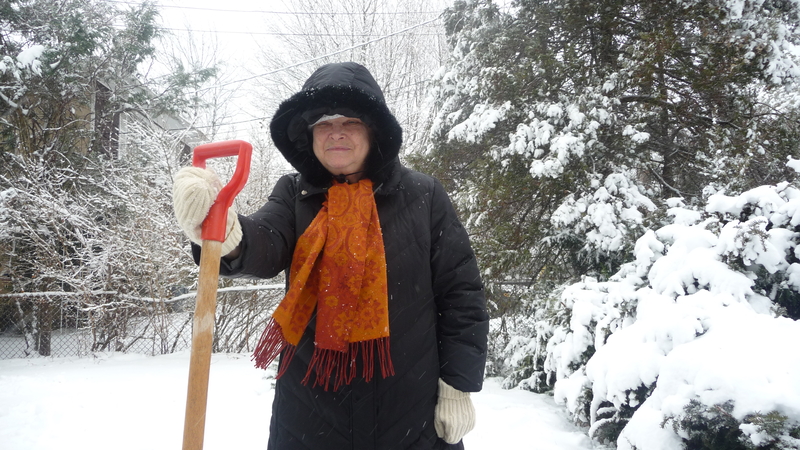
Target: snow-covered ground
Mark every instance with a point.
(126, 401)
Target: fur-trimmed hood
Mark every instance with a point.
(339, 88)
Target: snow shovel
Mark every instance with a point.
(213, 234)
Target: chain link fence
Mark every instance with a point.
(79, 324)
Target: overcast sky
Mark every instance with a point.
(239, 28)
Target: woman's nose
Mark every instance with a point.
(337, 131)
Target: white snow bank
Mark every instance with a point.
(729, 362)
(138, 402)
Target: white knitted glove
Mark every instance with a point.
(193, 192)
(454, 415)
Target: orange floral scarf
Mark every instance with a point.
(339, 268)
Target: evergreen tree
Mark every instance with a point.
(568, 129)
(562, 126)
(61, 59)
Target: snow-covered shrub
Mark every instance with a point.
(601, 223)
(600, 226)
(524, 349)
(606, 215)
(697, 329)
(716, 427)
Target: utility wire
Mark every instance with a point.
(305, 13)
(371, 41)
(377, 39)
(256, 119)
(122, 26)
(276, 33)
(291, 66)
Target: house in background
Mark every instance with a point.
(112, 127)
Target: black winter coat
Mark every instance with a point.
(438, 323)
(437, 319)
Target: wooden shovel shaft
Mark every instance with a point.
(213, 233)
(202, 341)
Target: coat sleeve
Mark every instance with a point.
(268, 236)
(463, 322)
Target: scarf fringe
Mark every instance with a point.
(341, 366)
(325, 364)
(270, 345)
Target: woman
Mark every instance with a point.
(382, 333)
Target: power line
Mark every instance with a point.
(257, 119)
(121, 26)
(299, 13)
(379, 38)
(219, 125)
(305, 62)
(276, 33)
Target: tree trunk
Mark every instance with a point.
(44, 332)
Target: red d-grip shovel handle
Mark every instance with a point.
(215, 223)
(213, 235)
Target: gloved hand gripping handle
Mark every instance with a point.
(213, 234)
(214, 225)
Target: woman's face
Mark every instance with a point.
(342, 145)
